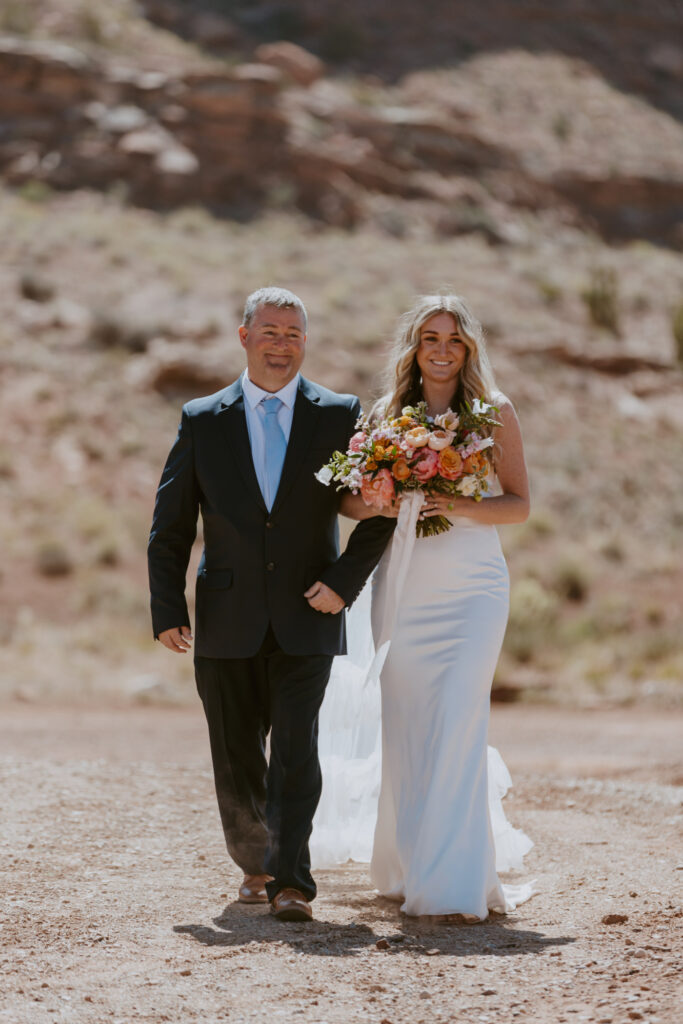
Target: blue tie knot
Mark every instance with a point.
(271, 405)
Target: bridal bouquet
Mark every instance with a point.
(449, 454)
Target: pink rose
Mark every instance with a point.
(357, 441)
(378, 491)
(426, 465)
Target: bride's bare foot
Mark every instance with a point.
(454, 919)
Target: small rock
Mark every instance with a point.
(185, 973)
(296, 63)
(640, 954)
(432, 952)
(489, 991)
(635, 1014)
(177, 160)
(119, 120)
(615, 919)
(382, 944)
(425, 995)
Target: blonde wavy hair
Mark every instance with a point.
(403, 381)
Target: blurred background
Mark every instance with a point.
(161, 159)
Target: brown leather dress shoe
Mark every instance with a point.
(253, 889)
(291, 905)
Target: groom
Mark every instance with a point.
(270, 590)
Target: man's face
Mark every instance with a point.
(275, 345)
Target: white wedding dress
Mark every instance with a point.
(439, 610)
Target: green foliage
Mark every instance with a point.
(35, 191)
(550, 292)
(677, 330)
(601, 297)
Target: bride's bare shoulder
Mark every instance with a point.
(501, 401)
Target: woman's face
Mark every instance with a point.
(442, 351)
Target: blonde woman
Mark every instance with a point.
(434, 847)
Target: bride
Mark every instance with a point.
(439, 611)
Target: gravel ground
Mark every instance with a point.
(119, 900)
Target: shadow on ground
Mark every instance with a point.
(239, 926)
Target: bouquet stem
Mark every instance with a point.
(432, 525)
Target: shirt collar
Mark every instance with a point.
(254, 394)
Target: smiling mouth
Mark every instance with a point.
(435, 362)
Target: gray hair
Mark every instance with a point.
(271, 296)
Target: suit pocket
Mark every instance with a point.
(215, 579)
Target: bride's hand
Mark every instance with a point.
(448, 505)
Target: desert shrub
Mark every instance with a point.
(111, 329)
(35, 191)
(91, 25)
(550, 292)
(53, 559)
(17, 17)
(6, 463)
(613, 549)
(36, 287)
(562, 126)
(677, 330)
(533, 613)
(108, 553)
(571, 579)
(601, 297)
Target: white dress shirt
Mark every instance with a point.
(256, 414)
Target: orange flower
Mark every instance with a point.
(404, 421)
(401, 469)
(378, 453)
(450, 464)
(474, 463)
(371, 465)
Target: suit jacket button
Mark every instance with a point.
(270, 566)
(269, 524)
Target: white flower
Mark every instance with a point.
(325, 476)
(468, 485)
(440, 439)
(480, 408)
(449, 420)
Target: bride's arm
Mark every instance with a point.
(512, 506)
(353, 507)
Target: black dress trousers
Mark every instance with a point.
(266, 808)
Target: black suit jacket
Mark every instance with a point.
(257, 564)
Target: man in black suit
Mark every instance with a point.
(271, 589)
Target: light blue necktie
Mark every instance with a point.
(276, 447)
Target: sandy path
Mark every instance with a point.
(118, 899)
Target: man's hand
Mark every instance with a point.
(323, 599)
(177, 640)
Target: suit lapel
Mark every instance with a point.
(306, 411)
(234, 421)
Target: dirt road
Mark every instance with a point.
(119, 901)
